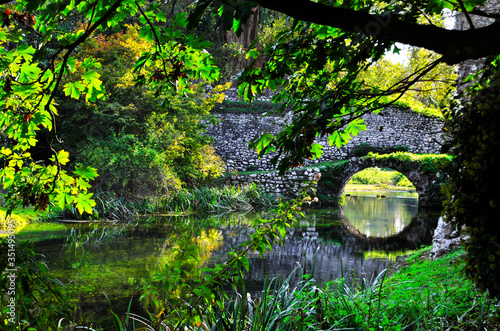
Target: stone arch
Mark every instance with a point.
(334, 178)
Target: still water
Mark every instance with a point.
(356, 240)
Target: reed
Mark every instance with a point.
(219, 199)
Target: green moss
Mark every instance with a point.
(380, 177)
(421, 109)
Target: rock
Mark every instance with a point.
(445, 238)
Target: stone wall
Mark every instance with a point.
(390, 128)
(288, 186)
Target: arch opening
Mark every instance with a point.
(379, 202)
(376, 179)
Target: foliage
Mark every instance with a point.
(141, 147)
(40, 40)
(423, 295)
(329, 76)
(364, 148)
(473, 199)
(428, 95)
(428, 163)
(317, 66)
(435, 294)
(420, 294)
(108, 207)
(434, 165)
(18, 218)
(186, 299)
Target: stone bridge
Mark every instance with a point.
(390, 129)
(334, 176)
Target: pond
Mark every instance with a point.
(356, 240)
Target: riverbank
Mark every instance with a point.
(417, 293)
(16, 221)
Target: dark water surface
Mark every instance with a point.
(356, 240)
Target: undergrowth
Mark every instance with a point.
(422, 294)
(220, 199)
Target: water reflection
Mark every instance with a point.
(336, 248)
(374, 216)
(93, 260)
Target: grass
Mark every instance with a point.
(40, 231)
(375, 187)
(21, 218)
(371, 179)
(220, 199)
(420, 109)
(415, 294)
(434, 294)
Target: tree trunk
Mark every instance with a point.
(250, 31)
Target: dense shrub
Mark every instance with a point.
(142, 144)
(472, 192)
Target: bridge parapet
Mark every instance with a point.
(391, 128)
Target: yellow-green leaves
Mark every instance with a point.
(62, 157)
(261, 143)
(29, 72)
(73, 89)
(316, 150)
(84, 203)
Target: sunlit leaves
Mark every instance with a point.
(84, 203)
(29, 72)
(27, 98)
(62, 157)
(73, 89)
(263, 142)
(316, 150)
(338, 139)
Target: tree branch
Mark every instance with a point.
(464, 11)
(455, 46)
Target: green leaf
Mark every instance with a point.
(316, 150)
(84, 203)
(29, 72)
(86, 172)
(263, 142)
(63, 199)
(73, 89)
(338, 139)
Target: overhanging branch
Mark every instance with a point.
(455, 46)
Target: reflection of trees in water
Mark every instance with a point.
(379, 217)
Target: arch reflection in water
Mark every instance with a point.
(380, 217)
(335, 247)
